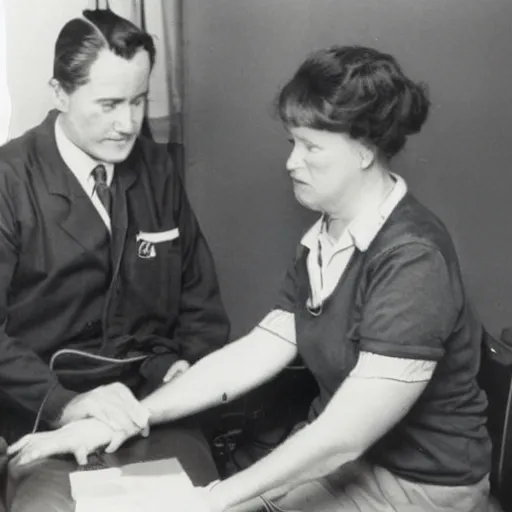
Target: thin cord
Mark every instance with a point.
(271, 506)
(80, 353)
(142, 16)
(266, 504)
(96, 357)
(107, 5)
(41, 407)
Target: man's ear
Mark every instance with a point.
(60, 96)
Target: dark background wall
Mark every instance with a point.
(239, 52)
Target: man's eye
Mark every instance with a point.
(107, 107)
(312, 147)
(139, 101)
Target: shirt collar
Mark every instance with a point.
(79, 162)
(364, 228)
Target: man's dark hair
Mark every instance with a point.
(82, 39)
(355, 90)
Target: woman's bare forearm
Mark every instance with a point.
(221, 376)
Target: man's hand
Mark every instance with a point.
(179, 367)
(79, 438)
(114, 405)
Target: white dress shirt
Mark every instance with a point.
(82, 165)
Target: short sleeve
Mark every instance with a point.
(281, 324)
(287, 297)
(410, 305)
(375, 366)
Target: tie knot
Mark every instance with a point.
(101, 189)
(99, 173)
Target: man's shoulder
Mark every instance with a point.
(15, 147)
(155, 161)
(14, 153)
(153, 153)
(12, 162)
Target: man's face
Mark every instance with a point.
(104, 116)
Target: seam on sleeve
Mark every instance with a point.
(275, 334)
(406, 351)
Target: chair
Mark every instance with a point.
(495, 377)
(3, 472)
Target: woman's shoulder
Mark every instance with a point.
(412, 223)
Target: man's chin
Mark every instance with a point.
(115, 155)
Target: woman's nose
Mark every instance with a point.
(293, 160)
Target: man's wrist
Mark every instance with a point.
(156, 414)
(154, 368)
(53, 411)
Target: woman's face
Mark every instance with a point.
(325, 168)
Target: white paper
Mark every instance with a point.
(156, 486)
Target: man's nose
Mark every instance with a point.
(125, 120)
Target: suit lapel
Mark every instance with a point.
(124, 177)
(72, 209)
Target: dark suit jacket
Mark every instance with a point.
(59, 288)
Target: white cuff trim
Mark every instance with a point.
(371, 365)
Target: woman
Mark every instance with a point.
(375, 306)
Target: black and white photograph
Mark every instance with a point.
(255, 256)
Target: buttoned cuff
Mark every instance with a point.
(154, 368)
(56, 401)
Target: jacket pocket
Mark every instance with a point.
(153, 269)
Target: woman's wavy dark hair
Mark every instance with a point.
(355, 90)
(81, 40)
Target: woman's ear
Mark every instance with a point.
(367, 155)
(60, 96)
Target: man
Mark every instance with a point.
(100, 251)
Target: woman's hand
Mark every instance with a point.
(208, 500)
(214, 499)
(80, 438)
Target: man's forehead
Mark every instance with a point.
(109, 67)
(116, 77)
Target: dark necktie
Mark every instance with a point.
(99, 173)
